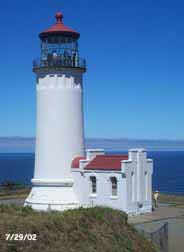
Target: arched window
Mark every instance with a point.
(93, 184)
(114, 186)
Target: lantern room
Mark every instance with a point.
(59, 47)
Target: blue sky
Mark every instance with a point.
(134, 86)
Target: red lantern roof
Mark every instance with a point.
(59, 29)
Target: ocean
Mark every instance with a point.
(168, 174)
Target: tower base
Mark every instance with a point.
(52, 195)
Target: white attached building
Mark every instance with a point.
(118, 181)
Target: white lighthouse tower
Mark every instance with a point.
(59, 119)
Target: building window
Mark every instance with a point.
(93, 184)
(146, 185)
(114, 186)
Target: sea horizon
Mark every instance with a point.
(168, 169)
(27, 144)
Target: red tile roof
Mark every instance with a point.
(75, 162)
(59, 28)
(106, 162)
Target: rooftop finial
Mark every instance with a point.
(59, 17)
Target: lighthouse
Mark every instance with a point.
(59, 118)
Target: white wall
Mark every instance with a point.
(59, 138)
(103, 197)
(137, 164)
(59, 131)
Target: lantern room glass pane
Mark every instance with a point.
(58, 45)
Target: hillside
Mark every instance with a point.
(82, 230)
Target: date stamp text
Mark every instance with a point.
(20, 237)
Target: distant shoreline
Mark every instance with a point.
(107, 151)
(26, 144)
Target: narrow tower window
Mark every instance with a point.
(93, 184)
(133, 186)
(146, 185)
(114, 186)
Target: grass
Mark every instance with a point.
(14, 194)
(13, 190)
(82, 230)
(173, 200)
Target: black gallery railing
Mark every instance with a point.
(60, 61)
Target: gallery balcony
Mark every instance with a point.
(59, 62)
